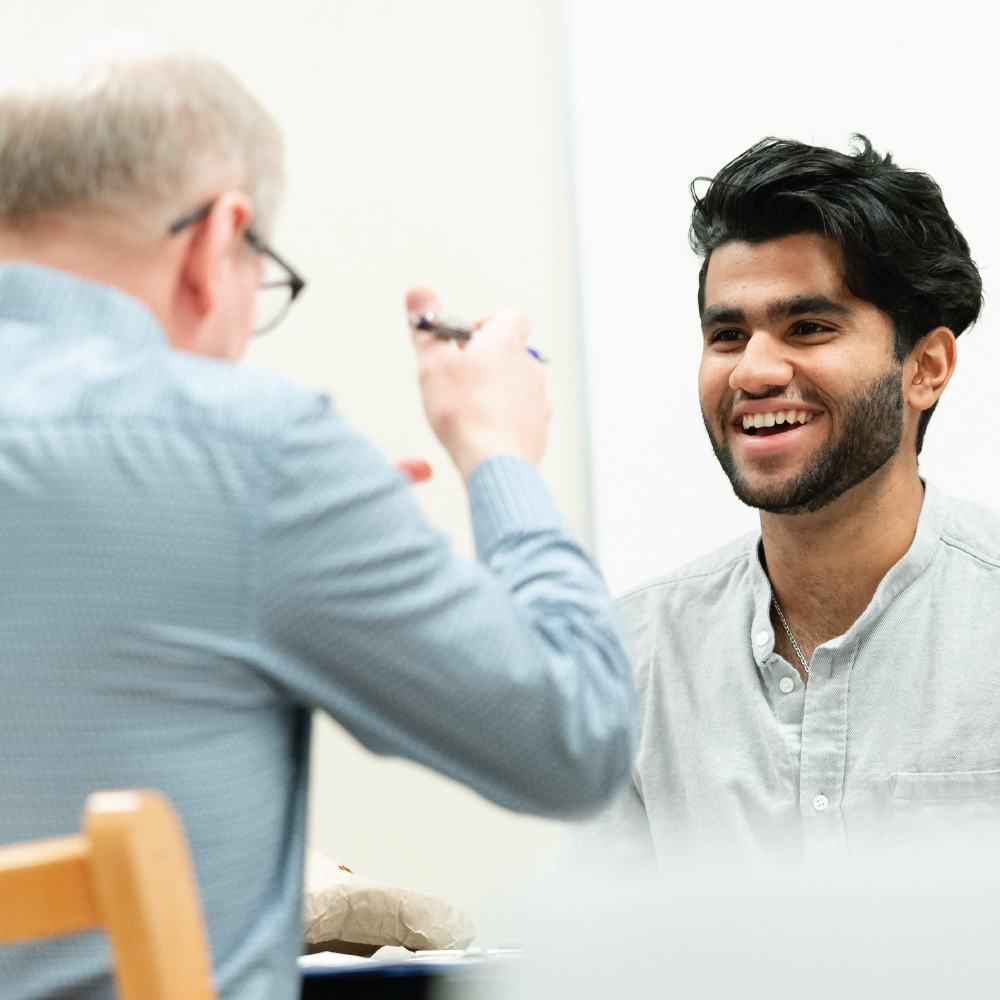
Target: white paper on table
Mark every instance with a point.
(333, 960)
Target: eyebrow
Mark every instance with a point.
(714, 315)
(797, 305)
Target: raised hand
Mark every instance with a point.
(487, 397)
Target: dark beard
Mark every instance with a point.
(873, 430)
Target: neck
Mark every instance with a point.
(825, 566)
(99, 247)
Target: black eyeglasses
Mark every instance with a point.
(281, 283)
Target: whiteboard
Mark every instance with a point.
(661, 93)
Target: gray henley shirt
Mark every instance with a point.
(896, 735)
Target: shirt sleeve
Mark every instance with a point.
(508, 674)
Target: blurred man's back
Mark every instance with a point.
(194, 555)
(112, 445)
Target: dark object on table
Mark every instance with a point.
(343, 948)
(391, 982)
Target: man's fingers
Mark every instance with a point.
(415, 469)
(421, 300)
(509, 322)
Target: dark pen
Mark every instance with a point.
(449, 328)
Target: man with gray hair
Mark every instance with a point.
(197, 555)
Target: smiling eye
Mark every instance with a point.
(727, 336)
(811, 327)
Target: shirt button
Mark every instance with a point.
(761, 638)
(820, 803)
(786, 685)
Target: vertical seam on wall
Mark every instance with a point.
(590, 539)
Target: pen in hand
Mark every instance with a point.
(449, 328)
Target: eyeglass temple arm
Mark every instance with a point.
(190, 219)
(295, 281)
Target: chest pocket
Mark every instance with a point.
(952, 808)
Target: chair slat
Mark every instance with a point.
(146, 895)
(130, 875)
(45, 889)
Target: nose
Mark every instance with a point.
(762, 366)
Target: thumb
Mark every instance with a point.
(421, 300)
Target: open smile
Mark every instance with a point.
(773, 421)
(771, 431)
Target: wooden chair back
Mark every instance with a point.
(128, 873)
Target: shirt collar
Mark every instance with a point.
(31, 293)
(930, 526)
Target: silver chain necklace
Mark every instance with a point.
(791, 638)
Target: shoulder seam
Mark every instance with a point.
(956, 544)
(670, 579)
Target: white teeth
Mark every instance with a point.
(776, 417)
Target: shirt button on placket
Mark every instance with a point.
(820, 802)
(761, 638)
(786, 685)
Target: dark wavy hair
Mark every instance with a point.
(901, 249)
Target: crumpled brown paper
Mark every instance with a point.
(343, 907)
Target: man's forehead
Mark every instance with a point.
(756, 276)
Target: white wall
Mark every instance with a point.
(426, 145)
(664, 92)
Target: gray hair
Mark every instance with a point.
(123, 121)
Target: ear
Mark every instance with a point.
(929, 368)
(211, 250)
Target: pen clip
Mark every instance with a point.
(443, 327)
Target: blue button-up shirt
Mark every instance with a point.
(194, 555)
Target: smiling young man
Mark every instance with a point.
(817, 686)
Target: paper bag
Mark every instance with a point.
(348, 909)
